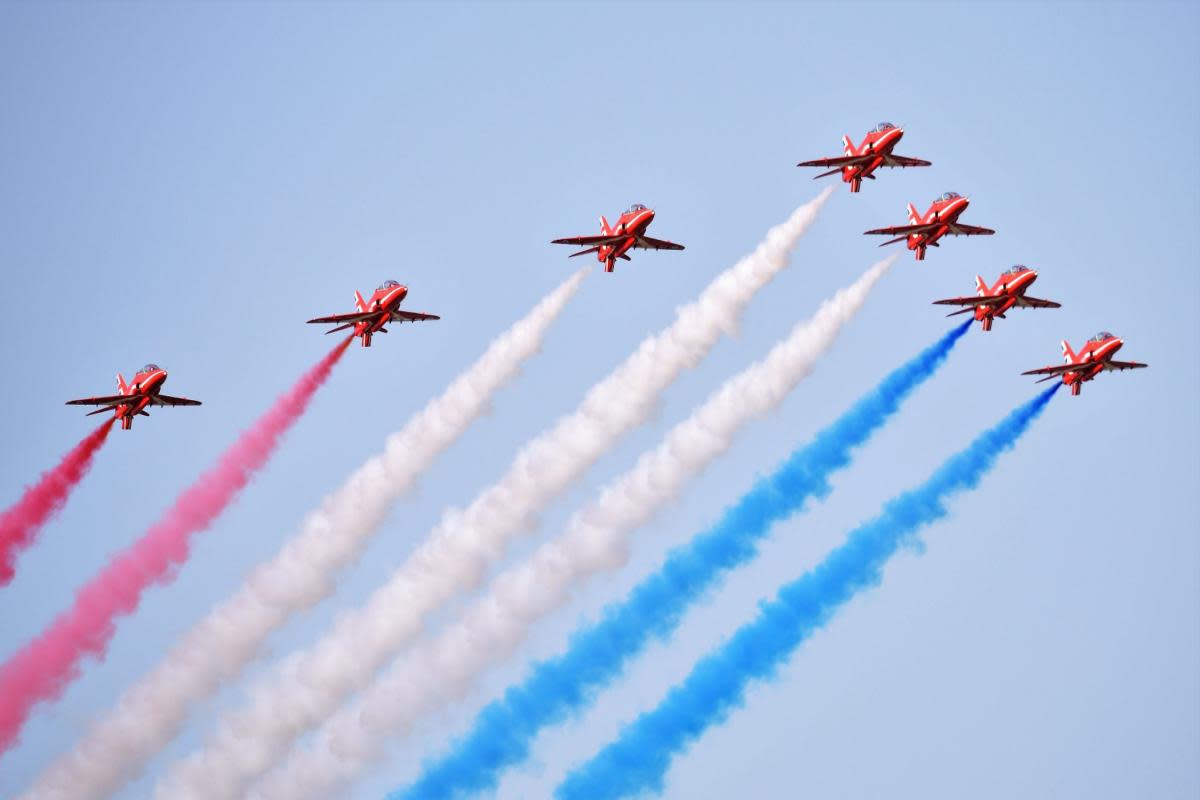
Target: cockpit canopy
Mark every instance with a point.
(635, 208)
(149, 368)
(881, 127)
(1101, 337)
(388, 285)
(948, 196)
(1016, 269)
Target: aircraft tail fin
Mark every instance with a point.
(1068, 353)
(122, 386)
(605, 228)
(981, 288)
(848, 144)
(359, 303)
(914, 216)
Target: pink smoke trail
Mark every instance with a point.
(20, 524)
(42, 669)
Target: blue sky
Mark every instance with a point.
(187, 184)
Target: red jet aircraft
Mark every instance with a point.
(132, 400)
(372, 315)
(615, 241)
(1009, 292)
(1094, 358)
(862, 161)
(940, 220)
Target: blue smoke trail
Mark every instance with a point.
(504, 731)
(638, 760)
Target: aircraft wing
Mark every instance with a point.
(971, 301)
(1117, 366)
(110, 400)
(588, 241)
(958, 229)
(1059, 369)
(905, 161)
(168, 400)
(411, 316)
(351, 318)
(1035, 302)
(840, 161)
(901, 230)
(646, 243)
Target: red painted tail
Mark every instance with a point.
(914, 216)
(605, 228)
(359, 303)
(981, 288)
(1068, 353)
(849, 145)
(122, 386)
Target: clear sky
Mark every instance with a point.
(187, 184)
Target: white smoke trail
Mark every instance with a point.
(443, 669)
(152, 711)
(309, 686)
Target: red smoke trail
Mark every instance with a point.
(20, 524)
(43, 668)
